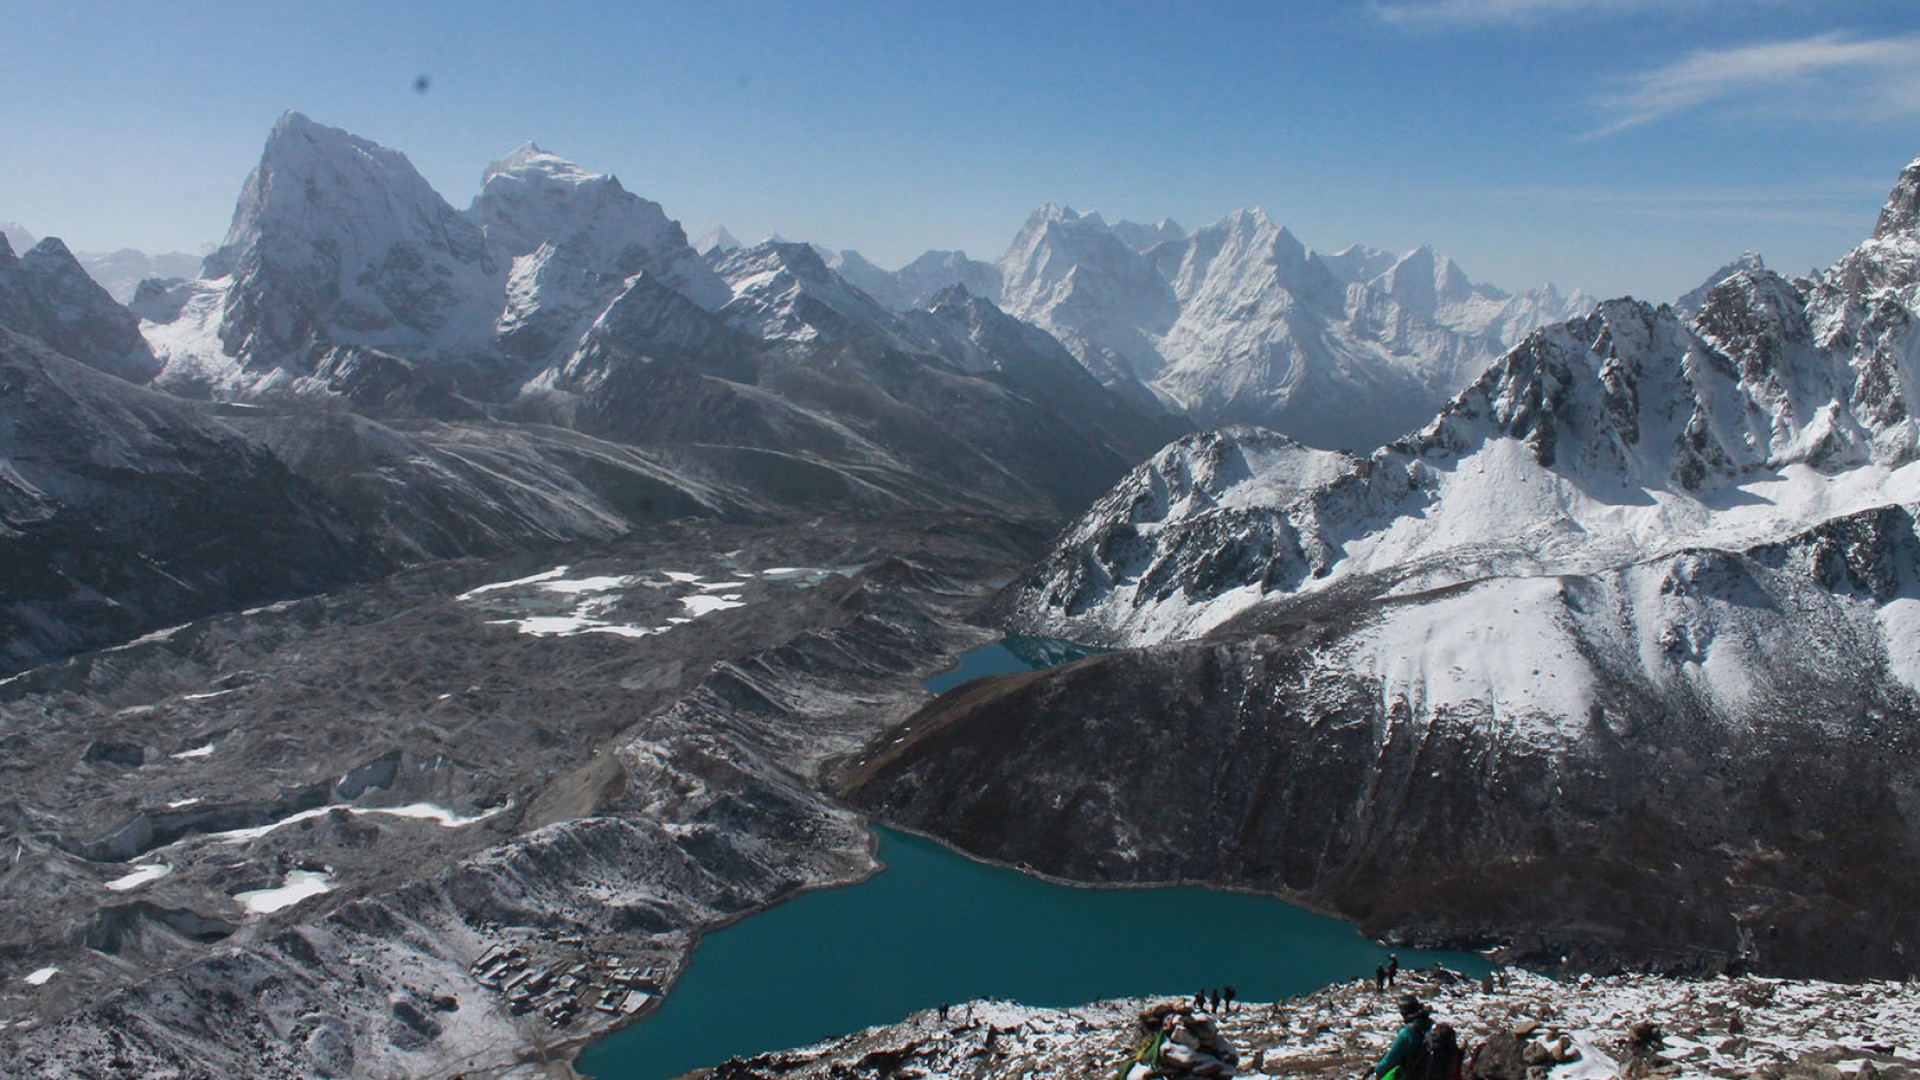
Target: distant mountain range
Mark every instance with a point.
(559, 362)
(1239, 322)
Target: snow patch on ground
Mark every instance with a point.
(526, 603)
(439, 815)
(1471, 648)
(40, 976)
(140, 876)
(300, 885)
(707, 605)
(196, 752)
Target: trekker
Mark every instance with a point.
(1216, 1001)
(1407, 1055)
(1380, 977)
(1230, 993)
(1200, 1001)
(1393, 966)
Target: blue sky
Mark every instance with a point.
(1622, 146)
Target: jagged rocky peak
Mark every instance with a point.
(910, 287)
(935, 271)
(1691, 301)
(1055, 241)
(1421, 282)
(1245, 252)
(1233, 466)
(46, 294)
(314, 181)
(652, 321)
(982, 338)
(1359, 263)
(785, 291)
(1070, 274)
(1901, 215)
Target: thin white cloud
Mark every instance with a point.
(1442, 13)
(1875, 77)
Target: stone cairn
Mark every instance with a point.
(1192, 1047)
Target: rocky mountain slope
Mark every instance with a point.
(209, 872)
(122, 509)
(46, 295)
(1631, 620)
(1592, 1028)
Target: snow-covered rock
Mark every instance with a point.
(574, 237)
(1580, 1029)
(1691, 301)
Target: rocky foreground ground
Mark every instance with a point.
(1531, 1028)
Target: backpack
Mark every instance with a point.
(1440, 1059)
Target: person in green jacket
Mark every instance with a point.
(1409, 1045)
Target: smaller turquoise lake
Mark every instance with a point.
(1013, 653)
(935, 927)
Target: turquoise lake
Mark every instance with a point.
(935, 927)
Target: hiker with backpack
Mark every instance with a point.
(1422, 1050)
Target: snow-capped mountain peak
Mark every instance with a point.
(716, 242)
(528, 157)
(601, 234)
(1901, 215)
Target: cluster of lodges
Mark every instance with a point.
(561, 990)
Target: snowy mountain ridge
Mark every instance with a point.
(1607, 441)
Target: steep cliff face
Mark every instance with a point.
(337, 241)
